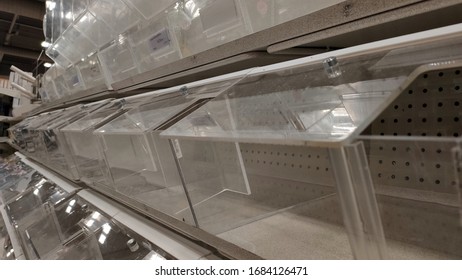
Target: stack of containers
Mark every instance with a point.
(134, 36)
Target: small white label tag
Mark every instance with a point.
(160, 40)
(176, 147)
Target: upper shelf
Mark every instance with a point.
(341, 25)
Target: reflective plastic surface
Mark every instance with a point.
(83, 144)
(57, 149)
(141, 164)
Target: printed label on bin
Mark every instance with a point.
(160, 40)
(176, 147)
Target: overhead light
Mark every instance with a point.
(47, 64)
(45, 44)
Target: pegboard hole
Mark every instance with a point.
(457, 72)
(440, 104)
(457, 88)
(425, 90)
(438, 165)
(396, 107)
(424, 120)
(437, 182)
(439, 151)
(407, 163)
(440, 89)
(421, 180)
(395, 120)
(456, 134)
(409, 106)
(456, 119)
(440, 74)
(409, 120)
(424, 105)
(457, 103)
(425, 76)
(410, 91)
(407, 178)
(439, 119)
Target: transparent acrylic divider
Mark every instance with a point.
(359, 207)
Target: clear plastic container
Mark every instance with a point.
(118, 61)
(90, 71)
(78, 8)
(66, 13)
(141, 165)
(413, 150)
(154, 43)
(94, 29)
(116, 14)
(297, 130)
(48, 84)
(73, 80)
(34, 146)
(55, 8)
(77, 230)
(74, 45)
(61, 85)
(55, 54)
(208, 23)
(83, 144)
(58, 153)
(149, 8)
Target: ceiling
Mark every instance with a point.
(21, 35)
